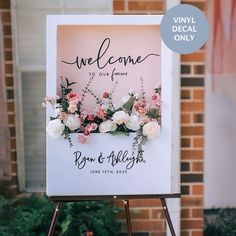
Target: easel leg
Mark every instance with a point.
(54, 219)
(167, 216)
(128, 220)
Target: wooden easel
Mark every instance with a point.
(162, 197)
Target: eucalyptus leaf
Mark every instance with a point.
(153, 113)
(129, 104)
(119, 133)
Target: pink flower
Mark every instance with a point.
(73, 98)
(72, 108)
(140, 107)
(101, 113)
(90, 117)
(52, 100)
(89, 128)
(156, 99)
(106, 95)
(83, 114)
(83, 138)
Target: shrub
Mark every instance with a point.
(223, 225)
(32, 217)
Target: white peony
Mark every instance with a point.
(55, 128)
(72, 122)
(120, 117)
(107, 126)
(133, 123)
(151, 129)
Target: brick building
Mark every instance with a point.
(16, 162)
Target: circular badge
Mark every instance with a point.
(184, 28)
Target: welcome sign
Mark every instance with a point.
(109, 116)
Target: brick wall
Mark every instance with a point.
(138, 6)
(192, 138)
(149, 218)
(8, 85)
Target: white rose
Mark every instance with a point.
(120, 117)
(58, 109)
(133, 123)
(107, 126)
(151, 129)
(55, 128)
(125, 99)
(72, 122)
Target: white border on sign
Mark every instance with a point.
(166, 60)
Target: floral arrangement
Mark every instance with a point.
(132, 114)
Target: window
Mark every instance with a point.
(29, 34)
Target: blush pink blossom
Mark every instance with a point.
(90, 117)
(156, 100)
(83, 138)
(72, 108)
(89, 128)
(73, 98)
(105, 95)
(140, 107)
(83, 114)
(101, 113)
(52, 100)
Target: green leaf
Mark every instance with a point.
(71, 83)
(129, 104)
(67, 90)
(67, 82)
(64, 105)
(119, 133)
(153, 113)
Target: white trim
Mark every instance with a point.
(18, 102)
(174, 204)
(54, 20)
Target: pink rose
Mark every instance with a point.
(105, 95)
(73, 98)
(140, 108)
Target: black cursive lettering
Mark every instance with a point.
(125, 60)
(80, 161)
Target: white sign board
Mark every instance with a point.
(118, 114)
